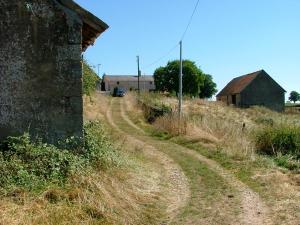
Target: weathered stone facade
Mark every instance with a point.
(40, 70)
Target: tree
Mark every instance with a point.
(209, 87)
(90, 79)
(294, 96)
(194, 80)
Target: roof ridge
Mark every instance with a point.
(238, 84)
(248, 74)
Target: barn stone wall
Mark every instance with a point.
(40, 70)
(264, 91)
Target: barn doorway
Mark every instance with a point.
(233, 97)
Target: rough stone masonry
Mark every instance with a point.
(41, 44)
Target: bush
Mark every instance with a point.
(99, 150)
(33, 166)
(284, 140)
(90, 79)
(151, 113)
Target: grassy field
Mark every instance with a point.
(228, 136)
(133, 172)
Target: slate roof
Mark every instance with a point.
(237, 85)
(92, 26)
(127, 78)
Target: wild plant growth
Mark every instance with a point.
(239, 132)
(34, 165)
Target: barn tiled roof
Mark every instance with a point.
(92, 26)
(126, 78)
(237, 85)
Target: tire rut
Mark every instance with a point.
(178, 193)
(254, 211)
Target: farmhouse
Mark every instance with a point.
(256, 88)
(127, 83)
(41, 67)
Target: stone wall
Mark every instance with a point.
(40, 70)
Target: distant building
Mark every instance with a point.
(41, 67)
(127, 83)
(254, 89)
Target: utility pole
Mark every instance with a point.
(180, 84)
(139, 73)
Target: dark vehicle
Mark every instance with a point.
(118, 92)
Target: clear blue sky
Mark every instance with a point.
(227, 38)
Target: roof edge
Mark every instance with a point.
(86, 16)
(239, 77)
(257, 74)
(275, 82)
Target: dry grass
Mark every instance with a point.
(124, 195)
(96, 198)
(95, 106)
(224, 129)
(215, 123)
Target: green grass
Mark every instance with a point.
(242, 168)
(209, 191)
(287, 161)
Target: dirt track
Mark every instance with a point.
(253, 210)
(177, 193)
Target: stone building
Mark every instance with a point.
(127, 83)
(41, 67)
(256, 88)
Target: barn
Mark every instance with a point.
(41, 48)
(254, 89)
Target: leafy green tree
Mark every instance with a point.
(294, 96)
(194, 80)
(209, 87)
(90, 79)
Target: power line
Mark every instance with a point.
(160, 58)
(182, 37)
(190, 21)
(181, 66)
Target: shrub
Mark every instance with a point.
(33, 166)
(98, 148)
(90, 79)
(284, 140)
(151, 113)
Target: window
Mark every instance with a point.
(151, 82)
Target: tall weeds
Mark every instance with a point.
(35, 165)
(239, 132)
